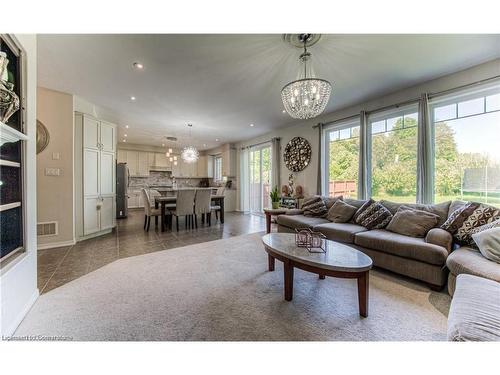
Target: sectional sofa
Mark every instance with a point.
(427, 259)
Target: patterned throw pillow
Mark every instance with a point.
(362, 209)
(375, 216)
(314, 207)
(482, 228)
(483, 214)
(457, 217)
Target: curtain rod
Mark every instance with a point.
(260, 143)
(415, 100)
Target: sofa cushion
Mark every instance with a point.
(314, 207)
(299, 221)
(403, 246)
(488, 241)
(375, 216)
(482, 215)
(470, 261)
(329, 201)
(341, 212)
(355, 202)
(342, 232)
(474, 312)
(412, 222)
(440, 209)
(440, 237)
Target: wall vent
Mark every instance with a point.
(49, 228)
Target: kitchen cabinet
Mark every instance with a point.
(229, 163)
(95, 175)
(135, 198)
(121, 156)
(133, 163)
(205, 167)
(143, 165)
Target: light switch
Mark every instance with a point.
(52, 171)
(56, 156)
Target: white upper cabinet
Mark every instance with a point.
(133, 162)
(161, 160)
(108, 137)
(143, 164)
(90, 133)
(229, 163)
(90, 168)
(121, 156)
(107, 173)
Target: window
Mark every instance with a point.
(467, 146)
(342, 162)
(394, 154)
(218, 168)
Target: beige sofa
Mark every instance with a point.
(420, 258)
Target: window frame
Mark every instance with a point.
(377, 116)
(325, 152)
(456, 97)
(218, 168)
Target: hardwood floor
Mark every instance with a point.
(59, 266)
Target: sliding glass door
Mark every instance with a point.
(259, 178)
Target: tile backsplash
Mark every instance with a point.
(162, 178)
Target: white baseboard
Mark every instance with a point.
(10, 330)
(50, 245)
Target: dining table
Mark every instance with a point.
(162, 201)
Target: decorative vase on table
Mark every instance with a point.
(275, 199)
(276, 205)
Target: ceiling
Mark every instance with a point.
(223, 83)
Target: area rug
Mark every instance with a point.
(221, 290)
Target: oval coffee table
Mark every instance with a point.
(340, 260)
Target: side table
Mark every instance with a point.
(270, 212)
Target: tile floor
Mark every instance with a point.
(59, 266)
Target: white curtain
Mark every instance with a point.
(275, 163)
(364, 184)
(319, 181)
(425, 155)
(244, 180)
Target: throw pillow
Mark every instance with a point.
(341, 212)
(314, 207)
(488, 242)
(362, 209)
(457, 217)
(412, 222)
(375, 216)
(482, 228)
(482, 215)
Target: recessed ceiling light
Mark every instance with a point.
(251, 125)
(126, 126)
(163, 144)
(138, 65)
(216, 139)
(124, 140)
(124, 135)
(132, 98)
(284, 111)
(204, 145)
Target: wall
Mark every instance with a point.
(308, 177)
(55, 193)
(18, 280)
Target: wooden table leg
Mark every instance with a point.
(221, 204)
(270, 261)
(363, 286)
(162, 220)
(287, 266)
(268, 222)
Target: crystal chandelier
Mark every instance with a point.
(190, 154)
(307, 96)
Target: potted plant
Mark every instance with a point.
(275, 198)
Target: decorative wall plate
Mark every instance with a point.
(42, 137)
(297, 154)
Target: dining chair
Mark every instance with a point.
(184, 206)
(149, 211)
(202, 205)
(220, 192)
